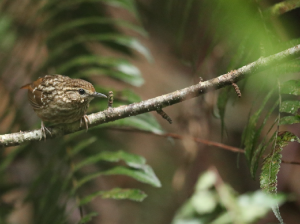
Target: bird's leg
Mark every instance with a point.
(86, 120)
(43, 130)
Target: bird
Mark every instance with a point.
(60, 99)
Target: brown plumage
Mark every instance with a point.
(59, 99)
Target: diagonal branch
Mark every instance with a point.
(157, 103)
(283, 7)
(195, 139)
(182, 137)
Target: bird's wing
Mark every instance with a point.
(34, 94)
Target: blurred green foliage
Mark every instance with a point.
(215, 202)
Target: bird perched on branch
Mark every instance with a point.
(59, 99)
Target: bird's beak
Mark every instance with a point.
(95, 94)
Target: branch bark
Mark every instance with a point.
(283, 7)
(157, 103)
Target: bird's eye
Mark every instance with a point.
(81, 91)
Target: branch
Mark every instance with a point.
(195, 139)
(290, 162)
(181, 137)
(155, 104)
(283, 7)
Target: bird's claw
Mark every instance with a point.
(86, 120)
(44, 129)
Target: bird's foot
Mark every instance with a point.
(44, 129)
(86, 120)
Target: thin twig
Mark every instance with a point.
(199, 140)
(112, 114)
(290, 162)
(181, 137)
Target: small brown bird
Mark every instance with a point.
(59, 99)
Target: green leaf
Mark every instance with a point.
(181, 28)
(271, 165)
(256, 205)
(87, 217)
(145, 176)
(290, 120)
(222, 102)
(290, 106)
(89, 60)
(206, 180)
(262, 146)
(228, 197)
(251, 133)
(143, 122)
(291, 87)
(106, 37)
(126, 4)
(138, 169)
(252, 206)
(116, 193)
(129, 74)
(276, 212)
(99, 65)
(288, 67)
(131, 160)
(259, 152)
(204, 202)
(59, 30)
(136, 45)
